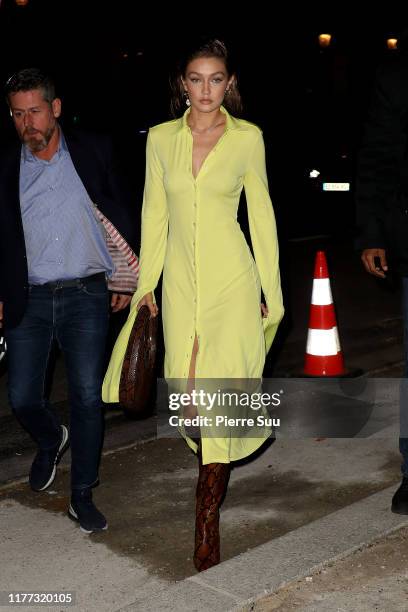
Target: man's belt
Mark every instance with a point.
(61, 284)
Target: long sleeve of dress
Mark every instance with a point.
(264, 237)
(154, 225)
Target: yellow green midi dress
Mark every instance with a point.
(211, 283)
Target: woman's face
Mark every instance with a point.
(205, 82)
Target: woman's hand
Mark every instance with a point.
(264, 311)
(147, 300)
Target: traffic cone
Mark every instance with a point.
(323, 352)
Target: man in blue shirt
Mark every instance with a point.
(53, 280)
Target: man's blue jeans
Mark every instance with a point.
(77, 318)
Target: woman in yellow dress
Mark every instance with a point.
(214, 324)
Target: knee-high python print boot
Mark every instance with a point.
(211, 488)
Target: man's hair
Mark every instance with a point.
(29, 79)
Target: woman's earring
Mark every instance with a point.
(187, 99)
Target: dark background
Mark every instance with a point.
(111, 62)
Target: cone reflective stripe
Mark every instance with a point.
(323, 352)
(323, 342)
(321, 294)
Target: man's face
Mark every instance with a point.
(35, 119)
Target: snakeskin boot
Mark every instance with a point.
(211, 489)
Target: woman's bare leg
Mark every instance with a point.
(190, 411)
(191, 372)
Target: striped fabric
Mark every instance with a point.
(124, 279)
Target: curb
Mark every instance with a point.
(236, 585)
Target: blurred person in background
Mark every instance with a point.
(382, 205)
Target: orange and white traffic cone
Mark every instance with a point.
(323, 353)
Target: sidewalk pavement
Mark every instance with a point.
(297, 506)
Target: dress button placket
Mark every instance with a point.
(195, 262)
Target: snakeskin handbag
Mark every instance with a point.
(138, 369)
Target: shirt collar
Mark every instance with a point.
(231, 122)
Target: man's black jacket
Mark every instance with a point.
(94, 161)
(382, 171)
